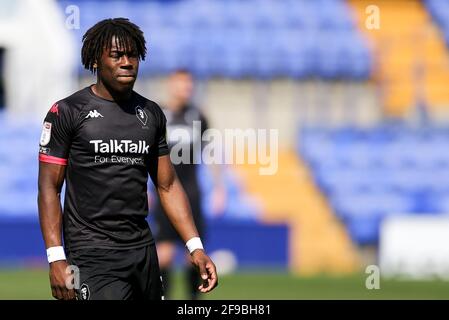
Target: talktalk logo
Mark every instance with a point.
(120, 146)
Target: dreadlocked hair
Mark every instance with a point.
(99, 38)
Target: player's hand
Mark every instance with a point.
(207, 270)
(58, 280)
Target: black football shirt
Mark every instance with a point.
(193, 124)
(109, 149)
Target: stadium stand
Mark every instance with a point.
(318, 242)
(254, 39)
(409, 53)
(370, 174)
(342, 183)
(18, 166)
(238, 39)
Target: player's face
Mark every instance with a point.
(118, 67)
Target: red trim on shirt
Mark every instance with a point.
(54, 160)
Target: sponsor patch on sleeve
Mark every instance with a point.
(46, 134)
(44, 150)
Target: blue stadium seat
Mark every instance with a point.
(372, 173)
(364, 230)
(291, 44)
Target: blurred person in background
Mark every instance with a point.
(104, 141)
(181, 115)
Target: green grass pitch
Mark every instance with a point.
(34, 284)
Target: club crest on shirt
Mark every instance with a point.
(141, 115)
(84, 292)
(46, 134)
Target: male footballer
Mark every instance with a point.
(104, 141)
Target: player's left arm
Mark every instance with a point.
(175, 203)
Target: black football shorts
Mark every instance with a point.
(117, 274)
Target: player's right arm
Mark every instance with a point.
(54, 148)
(51, 178)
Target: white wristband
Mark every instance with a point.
(193, 244)
(55, 254)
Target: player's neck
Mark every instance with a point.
(105, 92)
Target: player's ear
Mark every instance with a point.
(95, 67)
